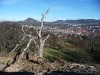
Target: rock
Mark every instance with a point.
(33, 57)
(77, 65)
(13, 68)
(2, 65)
(60, 62)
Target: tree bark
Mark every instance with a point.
(21, 56)
(41, 40)
(40, 51)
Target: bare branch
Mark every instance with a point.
(22, 39)
(22, 54)
(47, 10)
(30, 51)
(25, 33)
(23, 30)
(42, 19)
(36, 44)
(37, 32)
(28, 44)
(46, 38)
(15, 47)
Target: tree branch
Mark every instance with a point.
(36, 44)
(28, 44)
(25, 33)
(46, 38)
(42, 25)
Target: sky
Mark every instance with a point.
(18, 10)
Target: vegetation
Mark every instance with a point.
(80, 49)
(10, 34)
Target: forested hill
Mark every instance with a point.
(30, 22)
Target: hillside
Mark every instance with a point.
(30, 22)
(72, 55)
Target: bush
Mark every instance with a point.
(81, 56)
(10, 34)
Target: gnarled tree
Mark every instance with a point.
(41, 39)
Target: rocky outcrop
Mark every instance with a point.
(53, 68)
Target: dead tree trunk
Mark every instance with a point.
(41, 40)
(22, 54)
(40, 52)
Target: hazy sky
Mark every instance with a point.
(16, 10)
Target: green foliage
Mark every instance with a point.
(52, 54)
(67, 55)
(89, 47)
(52, 41)
(10, 34)
(82, 56)
(80, 49)
(3, 50)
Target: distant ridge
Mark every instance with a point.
(78, 21)
(29, 21)
(33, 22)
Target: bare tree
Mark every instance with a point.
(32, 38)
(41, 39)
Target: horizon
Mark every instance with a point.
(19, 10)
(47, 21)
